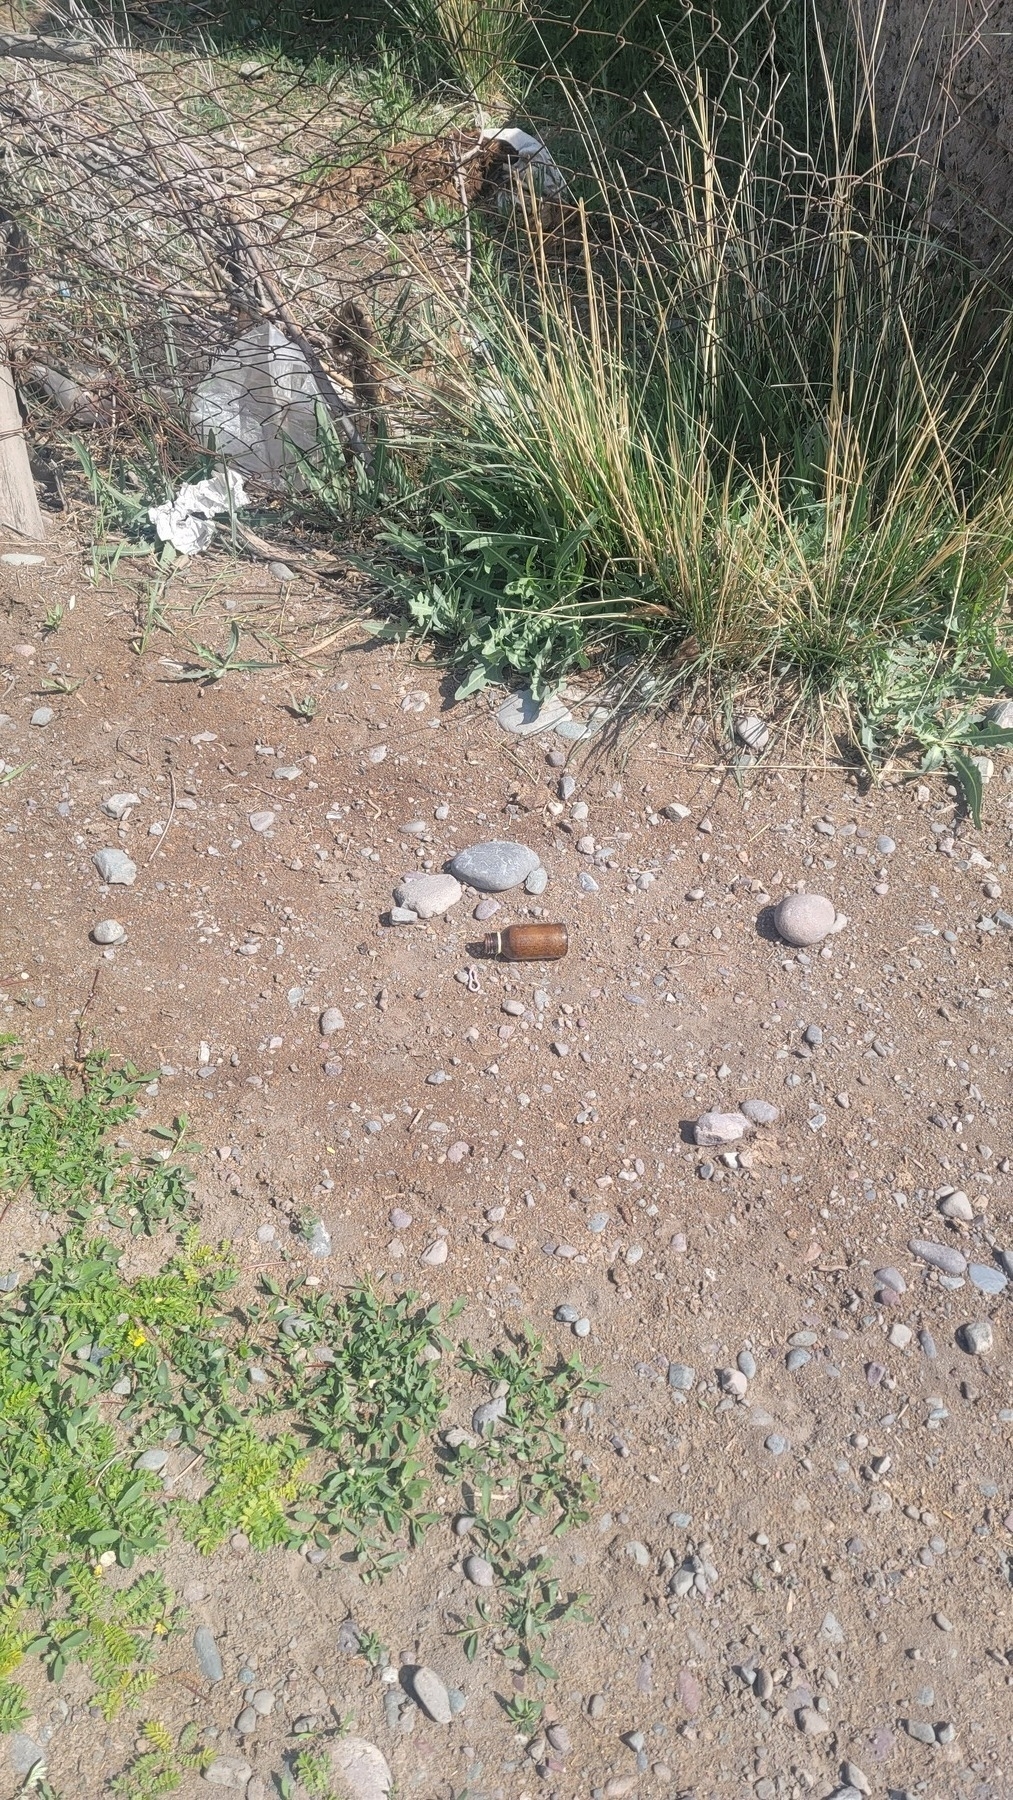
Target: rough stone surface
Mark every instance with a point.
(759, 1112)
(495, 866)
(804, 919)
(713, 1130)
(523, 715)
(362, 1771)
(208, 1655)
(115, 867)
(976, 1339)
(228, 1772)
(427, 896)
(938, 1256)
(332, 1019)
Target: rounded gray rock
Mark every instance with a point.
(432, 1695)
(429, 895)
(332, 1019)
(43, 715)
(885, 846)
(1001, 714)
(488, 1413)
(803, 919)
(976, 1339)
(536, 882)
(228, 1772)
(759, 1112)
(752, 732)
(495, 866)
(479, 1571)
(681, 1377)
(109, 931)
(746, 1364)
(986, 1278)
(938, 1256)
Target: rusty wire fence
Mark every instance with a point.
(224, 217)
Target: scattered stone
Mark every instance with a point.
(746, 1362)
(109, 931)
(361, 1769)
(403, 915)
(495, 866)
(814, 1035)
(856, 1778)
(804, 919)
(1000, 714)
(674, 811)
(587, 883)
(523, 715)
(115, 867)
(797, 1359)
(681, 1377)
(263, 1702)
(247, 1722)
(559, 1739)
(596, 1706)
(759, 1112)
(976, 1339)
(486, 1416)
(24, 1752)
(938, 1256)
(715, 1129)
(479, 1571)
(228, 1772)
(207, 1653)
(957, 1206)
(752, 732)
(261, 821)
(154, 1461)
(919, 1730)
(43, 715)
(893, 1279)
(811, 1722)
(986, 1279)
(431, 1695)
(900, 1336)
(536, 882)
(486, 909)
(776, 1444)
(118, 805)
(332, 1019)
(428, 896)
(436, 1254)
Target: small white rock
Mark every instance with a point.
(436, 1254)
(118, 805)
(115, 867)
(109, 931)
(803, 919)
(43, 715)
(261, 821)
(428, 896)
(332, 1019)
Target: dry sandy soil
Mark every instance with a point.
(865, 1562)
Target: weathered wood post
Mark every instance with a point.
(19, 503)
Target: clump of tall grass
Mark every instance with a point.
(755, 419)
(479, 41)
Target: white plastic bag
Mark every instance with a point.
(258, 394)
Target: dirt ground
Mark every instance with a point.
(866, 1561)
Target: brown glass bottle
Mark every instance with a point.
(528, 943)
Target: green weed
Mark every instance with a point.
(160, 1768)
(211, 666)
(54, 1141)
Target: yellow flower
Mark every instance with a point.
(137, 1338)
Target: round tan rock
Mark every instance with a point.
(803, 919)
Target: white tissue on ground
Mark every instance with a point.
(187, 521)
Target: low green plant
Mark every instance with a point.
(55, 1132)
(255, 1483)
(211, 666)
(161, 1766)
(312, 1770)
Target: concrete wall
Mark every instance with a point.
(944, 74)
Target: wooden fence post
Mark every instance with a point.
(19, 503)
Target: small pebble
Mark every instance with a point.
(760, 1112)
(938, 1256)
(776, 1444)
(436, 1254)
(713, 1130)
(247, 1721)
(986, 1279)
(797, 1359)
(746, 1362)
(261, 821)
(43, 715)
(109, 931)
(804, 919)
(479, 1572)
(332, 1019)
(681, 1377)
(228, 1772)
(432, 1695)
(486, 909)
(115, 867)
(536, 882)
(814, 1035)
(976, 1338)
(885, 846)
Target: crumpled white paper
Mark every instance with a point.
(187, 521)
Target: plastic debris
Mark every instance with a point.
(187, 522)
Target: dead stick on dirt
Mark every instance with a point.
(172, 814)
(78, 1057)
(466, 210)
